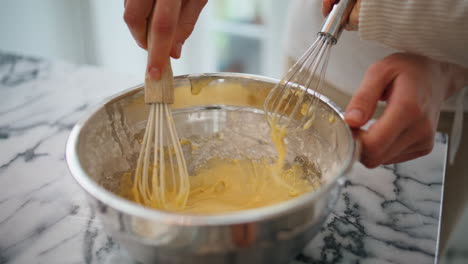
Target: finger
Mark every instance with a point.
(388, 128)
(327, 6)
(135, 16)
(188, 17)
(362, 105)
(416, 138)
(371, 154)
(163, 27)
(367, 157)
(351, 27)
(409, 156)
(353, 19)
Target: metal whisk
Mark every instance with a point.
(285, 105)
(161, 178)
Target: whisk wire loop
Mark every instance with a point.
(182, 181)
(275, 98)
(309, 78)
(161, 176)
(305, 77)
(298, 74)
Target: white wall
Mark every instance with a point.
(86, 31)
(93, 32)
(46, 28)
(108, 40)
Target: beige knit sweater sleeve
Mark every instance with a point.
(434, 28)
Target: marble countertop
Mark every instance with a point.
(390, 214)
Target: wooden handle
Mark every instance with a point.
(161, 91)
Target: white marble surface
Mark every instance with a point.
(387, 215)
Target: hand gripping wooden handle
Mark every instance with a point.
(161, 91)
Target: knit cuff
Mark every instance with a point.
(434, 28)
(382, 21)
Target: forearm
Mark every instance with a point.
(434, 28)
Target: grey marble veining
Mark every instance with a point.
(387, 215)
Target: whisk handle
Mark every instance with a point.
(160, 91)
(337, 19)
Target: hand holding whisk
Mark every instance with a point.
(285, 105)
(161, 178)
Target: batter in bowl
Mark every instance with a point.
(227, 185)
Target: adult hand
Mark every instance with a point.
(353, 20)
(414, 88)
(172, 22)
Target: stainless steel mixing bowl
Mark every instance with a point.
(222, 113)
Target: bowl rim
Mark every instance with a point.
(121, 204)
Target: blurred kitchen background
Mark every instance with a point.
(231, 35)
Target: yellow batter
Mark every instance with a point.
(233, 185)
(229, 185)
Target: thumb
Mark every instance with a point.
(362, 105)
(327, 6)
